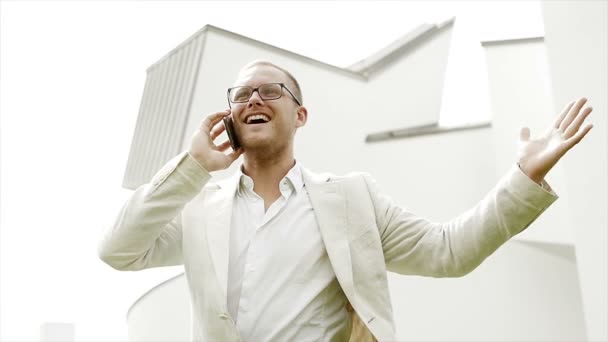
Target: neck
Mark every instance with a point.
(267, 170)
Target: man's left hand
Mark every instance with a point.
(538, 156)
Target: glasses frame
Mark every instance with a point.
(283, 86)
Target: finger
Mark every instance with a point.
(217, 118)
(234, 155)
(524, 134)
(578, 121)
(572, 114)
(223, 146)
(578, 136)
(561, 117)
(212, 120)
(217, 131)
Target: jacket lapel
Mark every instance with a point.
(329, 206)
(218, 217)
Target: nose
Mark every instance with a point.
(255, 99)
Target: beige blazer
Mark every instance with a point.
(182, 218)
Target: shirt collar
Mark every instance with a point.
(293, 178)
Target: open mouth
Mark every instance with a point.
(256, 119)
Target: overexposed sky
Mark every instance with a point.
(71, 81)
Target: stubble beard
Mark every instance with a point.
(267, 151)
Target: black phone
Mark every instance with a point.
(234, 141)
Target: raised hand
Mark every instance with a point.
(205, 151)
(537, 156)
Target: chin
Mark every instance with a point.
(256, 144)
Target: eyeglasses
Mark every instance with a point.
(268, 91)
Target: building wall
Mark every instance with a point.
(512, 296)
(576, 40)
(520, 95)
(162, 314)
(343, 107)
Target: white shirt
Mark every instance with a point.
(281, 286)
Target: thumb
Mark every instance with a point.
(524, 134)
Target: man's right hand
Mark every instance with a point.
(205, 151)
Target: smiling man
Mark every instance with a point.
(265, 122)
(279, 253)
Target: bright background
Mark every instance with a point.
(71, 80)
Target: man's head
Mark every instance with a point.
(293, 84)
(266, 119)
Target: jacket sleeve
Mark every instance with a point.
(414, 245)
(148, 232)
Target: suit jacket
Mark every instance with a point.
(180, 218)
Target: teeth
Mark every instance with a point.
(258, 117)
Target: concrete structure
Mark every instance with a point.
(577, 52)
(190, 82)
(549, 284)
(57, 332)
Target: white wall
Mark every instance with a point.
(162, 314)
(56, 332)
(403, 93)
(520, 95)
(576, 40)
(512, 296)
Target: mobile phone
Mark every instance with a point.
(234, 141)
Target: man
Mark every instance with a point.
(280, 253)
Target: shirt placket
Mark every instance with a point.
(253, 260)
(255, 208)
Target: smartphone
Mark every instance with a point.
(234, 141)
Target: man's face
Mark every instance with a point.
(282, 115)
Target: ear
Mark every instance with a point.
(302, 113)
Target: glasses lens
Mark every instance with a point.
(270, 91)
(240, 94)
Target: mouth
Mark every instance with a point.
(256, 119)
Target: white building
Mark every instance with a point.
(548, 284)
